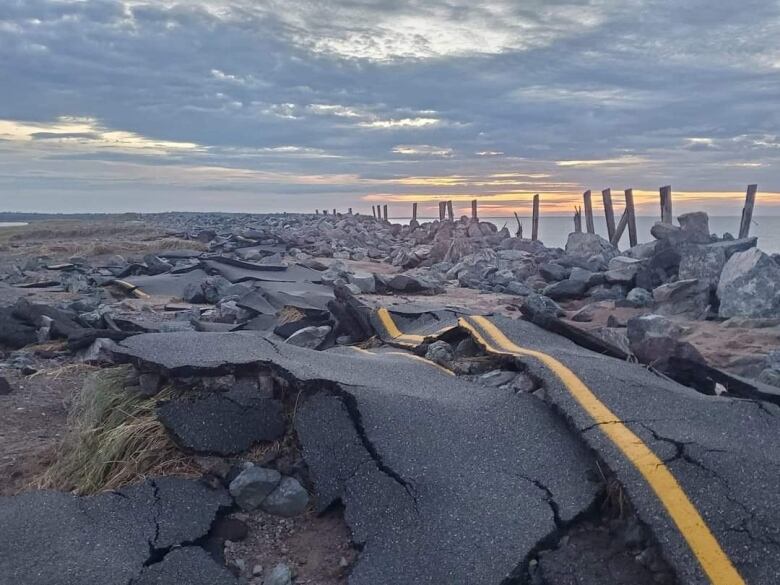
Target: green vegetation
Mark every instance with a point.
(114, 439)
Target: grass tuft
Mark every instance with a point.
(114, 439)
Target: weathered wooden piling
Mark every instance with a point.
(349, 211)
(631, 213)
(441, 210)
(414, 212)
(535, 219)
(621, 227)
(747, 211)
(316, 212)
(450, 211)
(384, 209)
(609, 213)
(586, 199)
(334, 212)
(519, 232)
(666, 204)
(577, 219)
(474, 210)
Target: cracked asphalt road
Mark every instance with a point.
(52, 538)
(444, 481)
(722, 452)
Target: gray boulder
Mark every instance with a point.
(749, 286)
(253, 485)
(280, 575)
(695, 227)
(683, 298)
(289, 499)
(587, 245)
(703, 262)
(566, 289)
(646, 326)
(364, 281)
(640, 297)
(540, 304)
(551, 271)
(623, 270)
(440, 352)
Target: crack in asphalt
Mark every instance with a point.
(549, 498)
(628, 421)
(155, 554)
(353, 410)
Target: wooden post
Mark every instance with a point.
(474, 210)
(414, 212)
(441, 210)
(588, 212)
(621, 227)
(349, 211)
(609, 212)
(666, 204)
(535, 219)
(316, 212)
(519, 232)
(632, 236)
(450, 211)
(384, 208)
(577, 219)
(747, 211)
(373, 211)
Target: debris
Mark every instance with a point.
(289, 498)
(253, 485)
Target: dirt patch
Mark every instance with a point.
(33, 420)
(316, 548)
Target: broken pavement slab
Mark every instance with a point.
(52, 537)
(429, 466)
(223, 423)
(163, 285)
(701, 470)
(238, 271)
(411, 329)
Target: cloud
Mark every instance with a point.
(121, 97)
(422, 150)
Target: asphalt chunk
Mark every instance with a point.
(223, 423)
(52, 537)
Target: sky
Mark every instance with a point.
(296, 105)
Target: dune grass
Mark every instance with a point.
(114, 439)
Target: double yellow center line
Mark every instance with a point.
(713, 560)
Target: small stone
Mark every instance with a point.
(5, 387)
(257, 570)
(289, 499)
(240, 564)
(280, 575)
(253, 485)
(540, 304)
(343, 563)
(440, 352)
(365, 281)
(640, 297)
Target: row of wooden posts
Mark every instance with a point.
(614, 230)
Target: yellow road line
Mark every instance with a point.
(713, 560)
(402, 338)
(132, 289)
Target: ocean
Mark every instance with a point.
(11, 223)
(553, 229)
